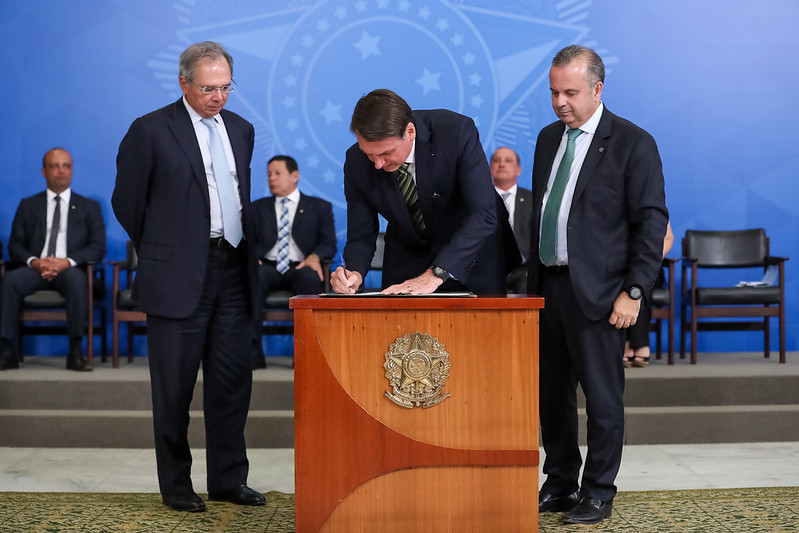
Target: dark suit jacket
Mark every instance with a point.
(457, 199)
(313, 228)
(618, 215)
(161, 200)
(522, 220)
(85, 229)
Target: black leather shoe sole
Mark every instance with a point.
(190, 503)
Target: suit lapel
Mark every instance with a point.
(425, 172)
(183, 130)
(595, 153)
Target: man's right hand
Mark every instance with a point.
(345, 281)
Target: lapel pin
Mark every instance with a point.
(601, 149)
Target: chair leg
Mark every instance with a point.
(766, 337)
(658, 339)
(781, 333)
(670, 330)
(115, 341)
(683, 327)
(694, 328)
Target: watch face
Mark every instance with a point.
(635, 293)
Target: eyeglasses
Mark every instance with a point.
(208, 90)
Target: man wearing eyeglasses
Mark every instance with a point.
(182, 194)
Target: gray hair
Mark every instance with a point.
(595, 68)
(198, 51)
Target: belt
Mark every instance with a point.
(557, 269)
(220, 242)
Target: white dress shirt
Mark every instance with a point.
(203, 139)
(295, 254)
(61, 238)
(581, 146)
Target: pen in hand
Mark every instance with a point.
(343, 265)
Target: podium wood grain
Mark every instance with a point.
(364, 463)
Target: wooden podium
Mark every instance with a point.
(467, 462)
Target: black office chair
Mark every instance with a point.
(376, 266)
(125, 308)
(44, 313)
(662, 308)
(743, 249)
(278, 318)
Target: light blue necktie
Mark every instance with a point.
(231, 219)
(283, 238)
(549, 223)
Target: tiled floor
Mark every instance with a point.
(658, 467)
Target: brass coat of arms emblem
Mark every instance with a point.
(417, 366)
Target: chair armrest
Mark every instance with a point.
(775, 260)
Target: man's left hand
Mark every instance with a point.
(625, 311)
(427, 283)
(312, 261)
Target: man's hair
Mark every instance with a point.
(379, 115)
(50, 151)
(291, 163)
(198, 51)
(515, 153)
(595, 68)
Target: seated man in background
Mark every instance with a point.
(505, 170)
(294, 233)
(54, 235)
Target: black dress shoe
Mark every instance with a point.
(77, 362)
(549, 503)
(7, 358)
(242, 495)
(189, 502)
(258, 359)
(588, 511)
(8, 362)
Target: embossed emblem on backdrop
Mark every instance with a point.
(417, 367)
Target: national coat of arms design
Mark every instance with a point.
(417, 366)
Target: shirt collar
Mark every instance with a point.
(293, 196)
(65, 195)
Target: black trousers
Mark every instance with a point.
(302, 281)
(215, 337)
(575, 349)
(23, 281)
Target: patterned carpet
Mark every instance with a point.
(757, 510)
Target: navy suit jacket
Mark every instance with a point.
(161, 200)
(85, 229)
(523, 220)
(313, 228)
(618, 214)
(464, 233)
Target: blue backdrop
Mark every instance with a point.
(711, 81)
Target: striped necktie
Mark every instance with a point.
(548, 250)
(283, 238)
(411, 196)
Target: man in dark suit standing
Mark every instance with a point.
(599, 217)
(54, 235)
(294, 233)
(426, 173)
(505, 170)
(182, 194)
